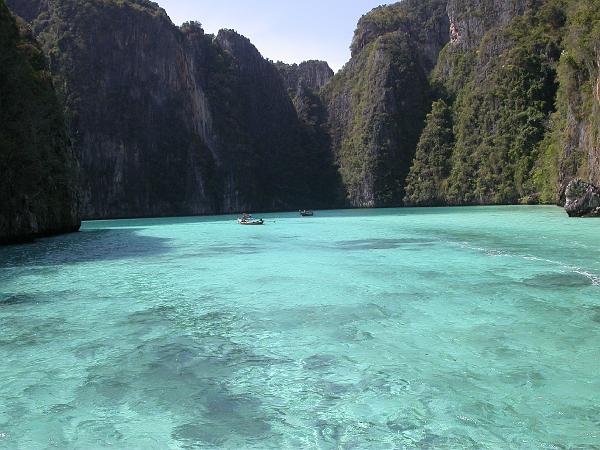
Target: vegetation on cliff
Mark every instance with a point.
(377, 103)
(523, 106)
(515, 113)
(443, 102)
(431, 166)
(38, 171)
(502, 89)
(572, 148)
(172, 121)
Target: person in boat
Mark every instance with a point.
(247, 219)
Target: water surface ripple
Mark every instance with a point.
(413, 328)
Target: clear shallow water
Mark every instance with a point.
(430, 328)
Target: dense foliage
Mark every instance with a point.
(572, 148)
(501, 113)
(431, 167)
(378, 102)
(443, 102)
(509, 144)
(38, 172)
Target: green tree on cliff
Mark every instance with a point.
(425, 184)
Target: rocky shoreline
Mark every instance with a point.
(583, 199)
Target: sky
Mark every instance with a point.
(283, 30)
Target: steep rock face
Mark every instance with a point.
(425, 24)
(268, 135)
(169, 121)
(312, 75)
(574, 146)
(499, 76)
(38, 171)
(139, 121)
(470, 20)
(508, 66)
(304, 82)
(582, 199)
(377, 103)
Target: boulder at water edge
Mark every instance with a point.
(583, 199)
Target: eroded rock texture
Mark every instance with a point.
(582, 199)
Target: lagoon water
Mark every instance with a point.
(408, 328)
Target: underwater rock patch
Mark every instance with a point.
(380, 244)
(17, 299)
(557, 280)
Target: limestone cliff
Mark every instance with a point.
(377, 103)
(573, 147)
(304, 83)
(168, 120)
(498, 74)
(311, 75)
(443, 102)
(38, 171)
(471, 20)
(515, 103)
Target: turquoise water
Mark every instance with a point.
(430, 328)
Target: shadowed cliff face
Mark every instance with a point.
(140, 122)
(170, 121)
(277, 145)
(304, 83)
(377, 103)
(311, 75)
(38, 171)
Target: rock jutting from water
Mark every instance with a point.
(583, 199)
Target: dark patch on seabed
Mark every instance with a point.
(202, 366)
(84, 246)
(17, 299)
(23, 331)
(320, 362)
(151, 316)
(218, 250)
(381, 244)
(232, 416)
(558, 280)
(595, 313)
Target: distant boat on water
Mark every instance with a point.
(247, 219)
(307, 213)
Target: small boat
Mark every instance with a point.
(250, 221)
(247, 219)
(306, 213)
